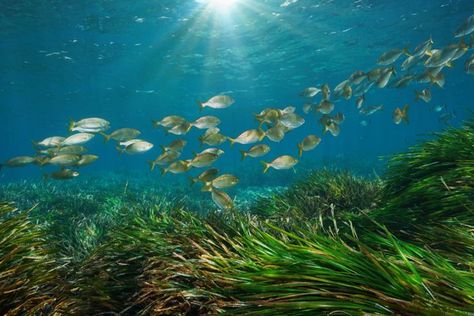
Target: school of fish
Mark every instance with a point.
(424, 65)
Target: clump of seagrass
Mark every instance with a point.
(245, 265)
(323, 193)
(271, 271)
(433, 181)
(28, 280)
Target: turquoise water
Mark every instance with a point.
(131, 62)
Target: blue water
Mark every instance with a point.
(133, 61)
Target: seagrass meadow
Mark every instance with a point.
(331, 244)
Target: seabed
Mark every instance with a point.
(332, 244)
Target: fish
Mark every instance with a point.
(86, 160)
(165, 158)
(438, 108)
(64, 160)
(248, 137)
(259, 150)
(203, 160)
(215, 151)
(291, 120)
(338, 118)
(438, 79)
(360, 101)
(308, 143)
(410, 62)
(136, 148)
(212, 137)
(423, 48)
(280, 163)
(326, 91)
(344, 90)
(347, 92)
(391, 56)
(425, 77)
(73, 149)
(276, 133)
(176, 145)
(206, 122)
(89, 125)
(325, 107)
(77, 139)
(371, 109)
(180, 129)
(308, 107)
(310, 92)
(357, 77)
(122, 134)
(374, 74)
(217, 102)
(269, 115)
(169, 121)
(333, 128)
(222, 199)
(362, 88)
(444, 56)
(129, 142)
(424, 95)
(62, 174)
(401, 115)
(54, 141)
(19, 161)
(205, 176)
(402, 82)
(179, 166)
(469, 65)
(287, 110)
(466, 28)
(221, 182)
(385, 77)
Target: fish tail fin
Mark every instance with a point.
(155, 123)
(428, 53)
(300, 149)
(417, 95)
(163, 171)
(188, 128)
(120, 150)
(163, 148)
(266, 165)
(405, 117)
(406, 52)
(243, 153)
(207, 187)
(35, 144)
(106, 137)
(42, 162)
(450, 64)
(231, 141)
(192, 181)
(151, 163)
(201, 105)
(71, 125)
